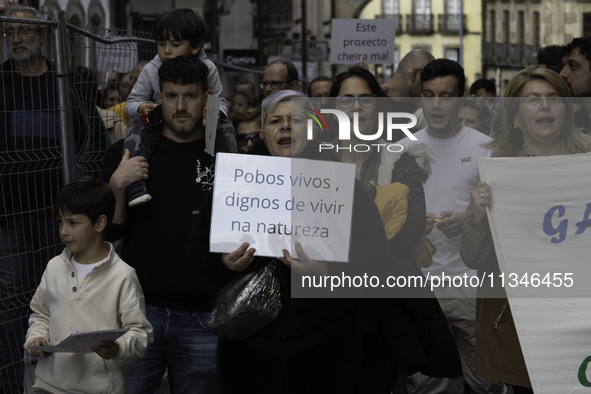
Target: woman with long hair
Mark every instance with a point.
(403, 333)
(477, 113)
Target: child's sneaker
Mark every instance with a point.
(137, 194)
(153, 117)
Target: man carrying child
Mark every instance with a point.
(178, 295)
(178, 32)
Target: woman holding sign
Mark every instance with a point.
(406, 331)
(538, 122)
(313, 346)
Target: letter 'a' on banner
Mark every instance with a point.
(540, 221)
(274, 202)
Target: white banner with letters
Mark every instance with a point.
(539, 220)
(273, 202)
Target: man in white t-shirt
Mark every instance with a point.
(447, 193)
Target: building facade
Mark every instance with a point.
(94, 13)
(435, 25)
(515, 30)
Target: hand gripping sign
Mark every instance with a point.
(272, 202)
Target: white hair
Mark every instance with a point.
(270, 103)
(19, 8)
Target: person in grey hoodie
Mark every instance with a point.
(178, 32)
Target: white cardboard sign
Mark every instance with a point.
(211, 125)
(272, 202)
(539, 219)
(367, 40)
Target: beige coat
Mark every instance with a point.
(109, 297)
(115, 126)
(498, 352)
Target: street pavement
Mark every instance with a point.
(456, 386)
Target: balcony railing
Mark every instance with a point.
(509, 54)
(531, 54)
(419, 23)
(501, 53)
(423, 23)
(514, 53)
(450, 23)
(522, 54)
(487, 52)
(396, 17)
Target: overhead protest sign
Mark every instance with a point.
(356, 40)
(273, 202)
(539, 221)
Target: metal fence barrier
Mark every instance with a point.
(232, 74)
(53, 129)
(55, 124)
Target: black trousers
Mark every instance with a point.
(522, 390)
(375, 376)
(324, 361)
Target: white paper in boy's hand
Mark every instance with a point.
(211, 124)
(82, 342)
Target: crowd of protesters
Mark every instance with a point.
(416, 212)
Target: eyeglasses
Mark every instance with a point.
(274, 84)
(535, 101)
(242, 139)
(365, 100)
(20, 31)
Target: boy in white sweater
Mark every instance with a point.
(87, 288)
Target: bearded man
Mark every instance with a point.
(180, 175)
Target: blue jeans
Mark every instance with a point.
(184, 346)
(27, 243)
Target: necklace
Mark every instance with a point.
(528, 151)
(568, 152)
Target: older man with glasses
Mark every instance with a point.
(279, 75)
